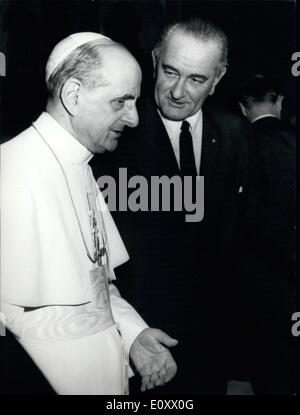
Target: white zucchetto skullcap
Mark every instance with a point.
(66, 46)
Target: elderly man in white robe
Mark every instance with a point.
(59, 243)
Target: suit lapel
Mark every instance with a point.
(160, 147)
(210, 143)
(159, 144)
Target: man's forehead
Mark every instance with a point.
(186, 53)
(189, 43)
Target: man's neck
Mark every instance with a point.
(266, 115)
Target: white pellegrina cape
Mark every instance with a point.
(43, 258)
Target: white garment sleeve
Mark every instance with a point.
(130, 322)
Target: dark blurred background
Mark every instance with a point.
(262, 38)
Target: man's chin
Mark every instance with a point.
(174, 114)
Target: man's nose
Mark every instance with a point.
(131, 117)
(178, 89)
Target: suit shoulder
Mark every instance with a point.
(232, 126)
(273, 127)
(287, 129)
(227, 118)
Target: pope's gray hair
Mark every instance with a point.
(79, 64)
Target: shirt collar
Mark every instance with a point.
(175, 126)
(64, 144)
(263, 116)
(195, 119)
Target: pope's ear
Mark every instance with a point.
(70, 95)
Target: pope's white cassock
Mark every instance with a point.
(77, 334)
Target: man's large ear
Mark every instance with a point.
(154, 54)
(69, 95)
(217, 79)
(278, 104)
(243, 109)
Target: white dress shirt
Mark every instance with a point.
(196, 128)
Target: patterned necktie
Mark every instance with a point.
(187, 159)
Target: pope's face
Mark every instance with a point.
(187, 71)
(105, 110)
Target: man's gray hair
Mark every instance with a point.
(79, 64)
(200, 29)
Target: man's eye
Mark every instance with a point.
(169, 73)
(198, 80)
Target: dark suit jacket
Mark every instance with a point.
(177, 272)
(266, 287)
(168, 255)
(271, 216)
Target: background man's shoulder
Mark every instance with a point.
(231, 125)
(226, 118)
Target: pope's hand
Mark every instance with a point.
(153, 361)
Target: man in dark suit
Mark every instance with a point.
(268, 283)
(179, 270)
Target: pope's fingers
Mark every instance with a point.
(154, 377)
(145, 381)
(160, 382)
(171, 369)
(147, 385)
(165, 339)
(152, 381)
(163, 371)
(171, 364)
(170, 375)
